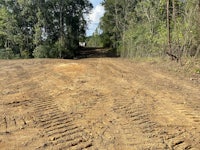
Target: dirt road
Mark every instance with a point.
(96, 103)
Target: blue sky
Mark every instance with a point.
(96, 2)
(94, 17)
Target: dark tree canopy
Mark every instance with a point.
(41, 28)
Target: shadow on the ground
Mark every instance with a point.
(95, 52)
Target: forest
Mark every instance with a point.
(134, 28)
(152, 28)
(41, 28)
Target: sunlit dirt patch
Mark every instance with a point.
(70, 69)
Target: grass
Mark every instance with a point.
(188, 67)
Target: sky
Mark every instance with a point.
(94, 17)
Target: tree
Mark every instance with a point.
(152, 27)
(195, 28)
(95, 39)
(168, 25)
(35, 24)
(8, 31)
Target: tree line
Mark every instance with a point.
(143, 28)
(41, 28)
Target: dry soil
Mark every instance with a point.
(96, 103)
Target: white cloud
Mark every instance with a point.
(96, 14)
(94, 18)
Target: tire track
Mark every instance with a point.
(10, 124)
(138, 126)
(154, 136)
(138, 112)
(60, 128)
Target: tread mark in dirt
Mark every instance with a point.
(11, 124)
(59, 127)
(192, 113)
(142, 124)
(151, 131)
(18, 103)
(6, 124)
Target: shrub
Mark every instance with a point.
(41, 51)
(6, 53)
(25, 54)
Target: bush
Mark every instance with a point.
(25, 54)
(41, 51)
(6, 53)
(61, 51)
(52, 51)
(2, 53)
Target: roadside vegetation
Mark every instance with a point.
(152, 28)
(41, 28)
(95, 40)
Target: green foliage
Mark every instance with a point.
(105, 40)
(139, 28)
(148, 35)
(6, 53)
(3, 54)
(197, 71)
(9, 53)
(53, 52)
(25, 54)
(30, 27)
(46, 51)
(40, 51)
(95, 40)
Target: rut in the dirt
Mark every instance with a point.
(59, 128)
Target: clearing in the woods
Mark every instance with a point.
(96, 103)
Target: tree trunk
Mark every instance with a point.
(174, 12)
(61, 39)
(168, 27)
